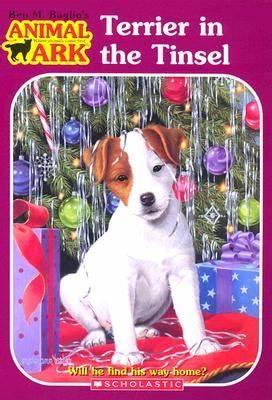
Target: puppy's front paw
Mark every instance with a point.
(94, 338)
(146, 332)
(205, 347)
(127, 359)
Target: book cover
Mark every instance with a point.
(135, 199)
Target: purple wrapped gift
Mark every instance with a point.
(35, 340)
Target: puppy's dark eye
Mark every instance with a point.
(157, 168)
(122, 178)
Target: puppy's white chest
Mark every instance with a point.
(152, 295)
(146, 241)
(149, 248)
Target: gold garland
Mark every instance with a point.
(214, 372)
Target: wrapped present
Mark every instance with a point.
(36, 262)
(232, 283)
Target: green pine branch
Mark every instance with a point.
(63, 182)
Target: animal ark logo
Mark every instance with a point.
(48, 42)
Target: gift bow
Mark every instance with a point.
(243, 247)
(31, 249)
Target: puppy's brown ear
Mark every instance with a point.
(98, 158)
(165, 141)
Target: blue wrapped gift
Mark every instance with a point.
(232, 284)
(229, 287)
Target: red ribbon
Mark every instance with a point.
(31, 249)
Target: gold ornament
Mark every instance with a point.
(222, 187)
(184, 144)
(73, 235)
(187, 107)
(239, 88)
(20, 135)
(34, 110)
(135, 119)
(230, 229)
(61, 196)
(75, 88)
(228, 130)
(76, 163)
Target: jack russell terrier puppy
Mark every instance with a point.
(146, 258)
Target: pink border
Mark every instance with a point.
(247, 30)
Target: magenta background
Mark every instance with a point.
(247, 29)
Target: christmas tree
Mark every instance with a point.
(56, 118)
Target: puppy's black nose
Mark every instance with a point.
(147, 199)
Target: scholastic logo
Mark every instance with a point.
(128, 383)
(48, 42)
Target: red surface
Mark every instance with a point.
(247, 29)
(229, 322)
